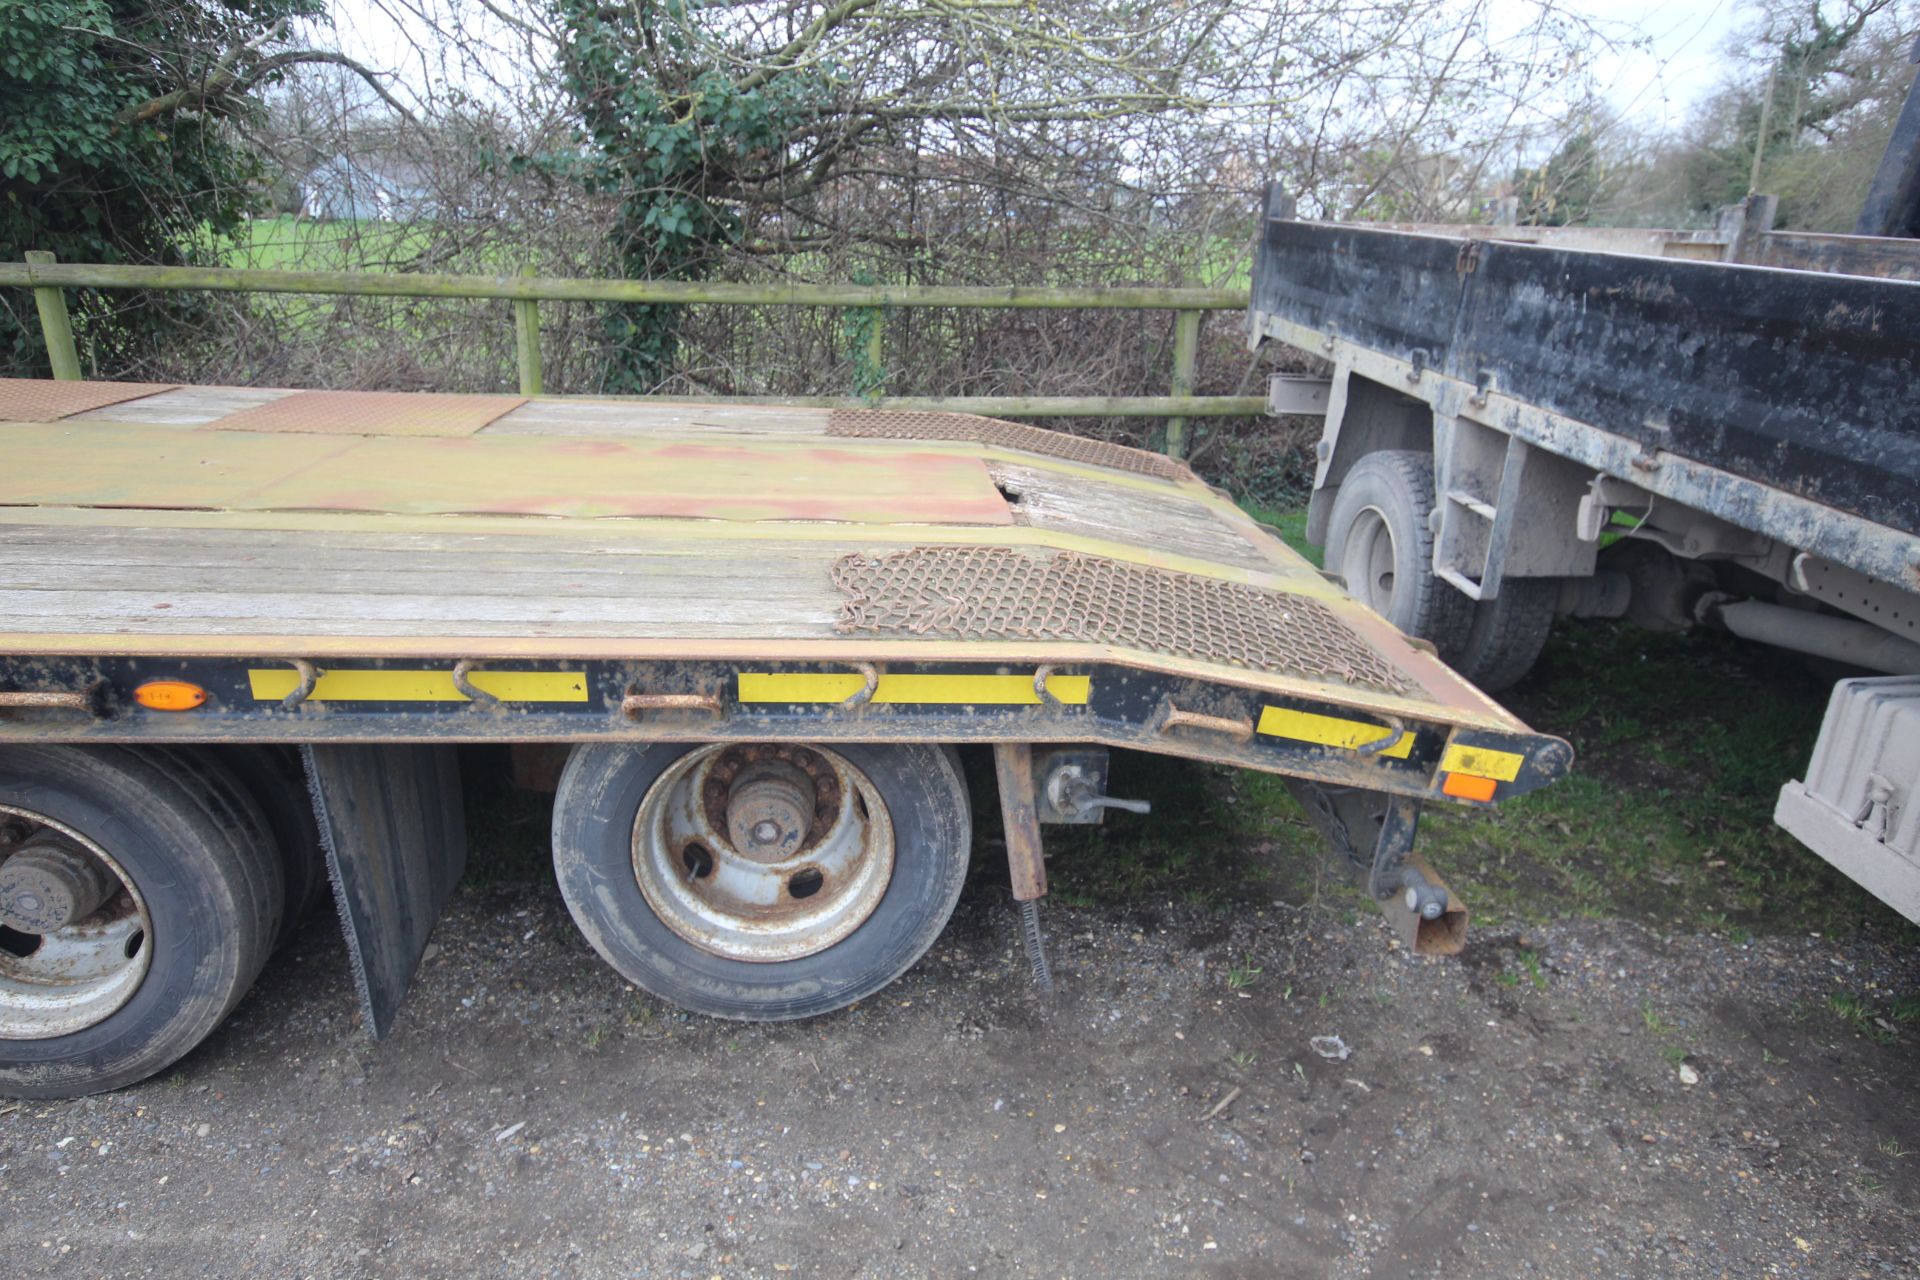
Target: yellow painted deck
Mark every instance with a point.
(160, 524)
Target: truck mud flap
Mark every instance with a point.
(396, 841)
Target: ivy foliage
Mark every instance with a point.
(83, 176)
(675, 129)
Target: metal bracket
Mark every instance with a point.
(462, 680)
(860, 697)
(1172, 717)
(1399, 821)
(634, 703)
(1026, 864)
(309, 677)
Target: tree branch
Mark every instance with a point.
(226, 82)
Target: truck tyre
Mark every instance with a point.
(139, 893)
(761, 881)
(1507, 634)
(1380, 542)
(273, 777)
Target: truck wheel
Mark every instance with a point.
(761, 881)
(138, 898)
(1507, 634)
(273, 777)
(1380, 542)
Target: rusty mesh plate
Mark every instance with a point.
(37, 400)
(885, 424)
(370, 413)
(999, 593)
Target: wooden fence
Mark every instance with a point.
(49, 279)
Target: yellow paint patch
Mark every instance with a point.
(421, 686)
(165, 468)
(1482, 762)
(1330, 731)
(944, 690)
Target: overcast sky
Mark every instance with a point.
(1684, 61)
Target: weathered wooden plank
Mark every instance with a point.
(1063, 502)
(621, 418)
(164, 614)
(186, 406)
(526, 581)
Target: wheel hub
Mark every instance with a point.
(770, 810)
(75, 935)
(762, 853)
(47, 885)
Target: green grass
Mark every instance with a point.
(1290, 525)
(287, 243)
(1681, 745)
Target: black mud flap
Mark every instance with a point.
(396, 843)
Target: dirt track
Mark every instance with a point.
(1499, 1116)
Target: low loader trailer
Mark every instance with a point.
(242, 632)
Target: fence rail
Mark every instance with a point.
(48, 279)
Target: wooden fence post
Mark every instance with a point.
(55, 327)
(526, 340)
(1186, 351)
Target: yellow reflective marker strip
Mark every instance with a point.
(946, 690)
(1330, 731)
(421, 686)
(1482, 762)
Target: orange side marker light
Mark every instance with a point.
(170, 695)
(1465, 786)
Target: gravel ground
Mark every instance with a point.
(1525, 1110)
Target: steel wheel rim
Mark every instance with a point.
(1367, 561)
(787, 899)
(79, 975)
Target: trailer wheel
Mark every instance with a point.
(1380, 541)
(761, 881)
(138, 899)
(273, 777)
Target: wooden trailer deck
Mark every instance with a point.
(280, 527)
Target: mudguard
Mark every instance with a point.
(396, 841)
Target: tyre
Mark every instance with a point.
(139, 894)
(273, 777)
(1380, 541)
(763, 881)
(1507, 633)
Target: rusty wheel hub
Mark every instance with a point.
(75, 936)
(763, 852)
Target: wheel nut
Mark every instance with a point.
(47, 886)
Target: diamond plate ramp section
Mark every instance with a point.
(885, 424)
(36, 400)
(371, 413)
(997, 593)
